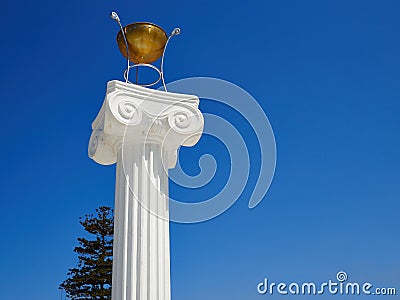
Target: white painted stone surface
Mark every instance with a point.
(141, 130)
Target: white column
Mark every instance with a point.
(141, 244)
(141, 129)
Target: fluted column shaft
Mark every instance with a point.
(141, 268)
(141, 130)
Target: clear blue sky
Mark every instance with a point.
(327, 74)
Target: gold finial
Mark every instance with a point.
(146, 42)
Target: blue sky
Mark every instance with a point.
(325, 72)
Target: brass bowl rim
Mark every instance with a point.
(142, 23)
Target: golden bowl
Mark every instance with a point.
(146, 42)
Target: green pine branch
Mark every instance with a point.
(92, 277)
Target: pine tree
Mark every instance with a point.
(91, 279)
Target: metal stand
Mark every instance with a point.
(130, 65)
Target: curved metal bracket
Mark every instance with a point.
(126, 74)
(115, 17)
(174, 32)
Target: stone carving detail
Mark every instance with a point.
(129, 111)
(155, 126)
(94, 141)
(134, 114)
(181, 120)
(184, 121)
